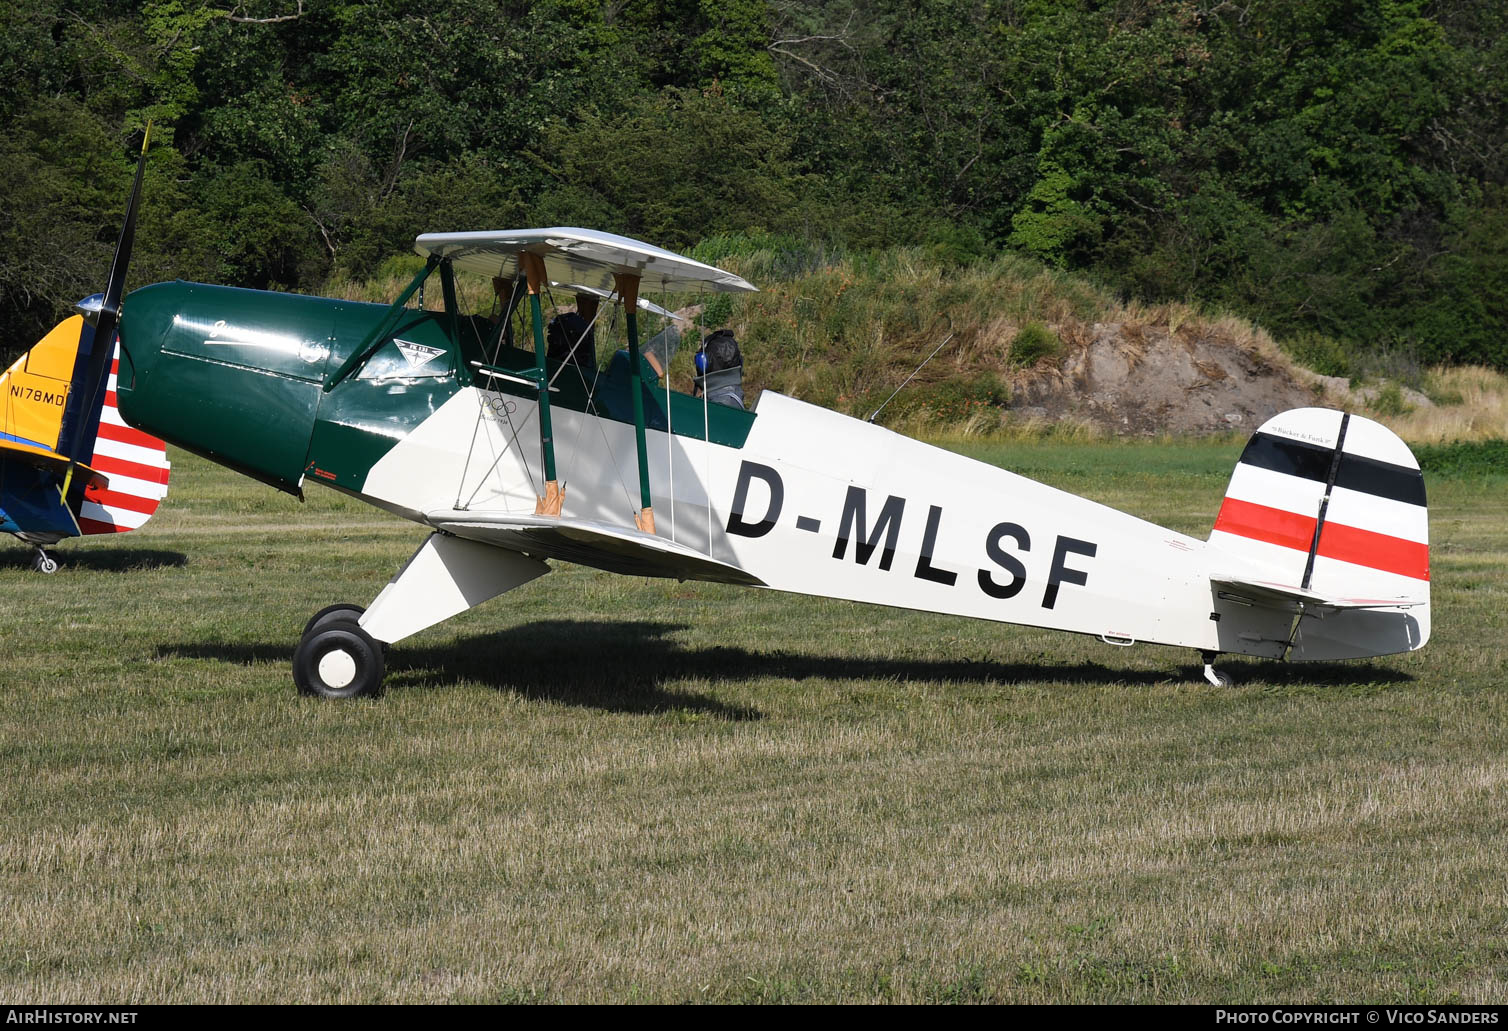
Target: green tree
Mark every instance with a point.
(677, 166)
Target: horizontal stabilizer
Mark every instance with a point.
(599, 545)
(33, 454)
(32, 505)
(1297, 599)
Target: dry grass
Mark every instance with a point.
(991, 425)
(1471, 403)
(845, 335)
(850, 329)
(1460, 403)
(474, 293)
(609, 789)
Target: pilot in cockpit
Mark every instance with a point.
(720, 370)
(570, 341)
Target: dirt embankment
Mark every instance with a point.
(1146, 380)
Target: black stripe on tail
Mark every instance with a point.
(1356, 472)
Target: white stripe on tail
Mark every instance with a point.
(137, 473)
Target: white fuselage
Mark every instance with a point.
(819, 503)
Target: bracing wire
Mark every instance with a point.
(706, 460)
(483, 403)
(514, 429)
(591, 395)
(669, 428)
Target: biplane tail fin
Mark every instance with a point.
(135, 467)
(34, 390)
(1325, 517)
(122, 472)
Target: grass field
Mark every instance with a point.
(601, 788)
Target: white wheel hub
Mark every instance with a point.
(337, 668)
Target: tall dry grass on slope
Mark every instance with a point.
(845, 331)
(1470, 403)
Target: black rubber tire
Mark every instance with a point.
(333, 614)
(343, 612)
(350, 649)
(44, 563)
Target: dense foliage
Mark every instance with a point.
(1333, 168)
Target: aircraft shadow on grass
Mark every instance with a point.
(620, 666)
(101, 560)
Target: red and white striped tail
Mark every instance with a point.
(136, 465)
(1333, 504)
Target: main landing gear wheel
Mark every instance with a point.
(44, 563)
(333, 614)
(338, 660)
(343, 612)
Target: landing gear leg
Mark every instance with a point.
(1210, 673)
(44, 563)
(340, 654)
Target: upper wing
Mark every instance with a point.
(581, 257)
(34, 392)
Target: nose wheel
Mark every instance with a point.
(336, 658)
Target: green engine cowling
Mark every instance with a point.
(239, 376)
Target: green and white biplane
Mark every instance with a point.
(515, 460)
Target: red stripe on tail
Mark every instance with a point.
(93, 526)
(1338, 541)
(1377, 550)
(151, 473)
(1260, 523)
(115, 499)
(126, 435)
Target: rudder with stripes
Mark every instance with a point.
(1333, 503)
(135, 464)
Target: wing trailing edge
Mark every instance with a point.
(599, 545)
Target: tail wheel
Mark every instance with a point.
(338, 660)
(1213, 675)
(44, 563)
